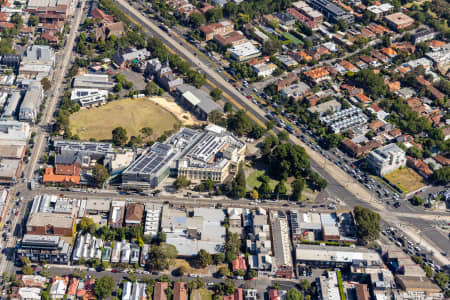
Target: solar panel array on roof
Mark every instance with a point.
(186, 148)
(80, 146)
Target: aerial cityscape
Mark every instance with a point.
(225, 149)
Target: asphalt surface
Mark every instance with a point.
(56, 90)
(261, 284)
(6, 265)
(343, 189)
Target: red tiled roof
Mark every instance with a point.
(179, 291)
(363, 98)
(72, 290)
(437, 44)
(273, 294)
(50, 176)
(347, 65)
(442, 160)
(375, 107)
(317, 73)
(395, 132)
(3, 17)
(6, 25)
(160, 291)
(239, 264)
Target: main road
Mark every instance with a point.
(340, 184)
(59, 72)
(55, 91)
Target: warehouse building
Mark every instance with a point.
(281, 245)
(197, 101)
(32, 100)
(10, 110)
(93, 81)
(336, 257)
(244, 52)
(14, 132)
(202, 228)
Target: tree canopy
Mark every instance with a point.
(100, 174)
(87, 225)
(367, 223)
(161, 256)
(119, 136)
(204, 258)
(238, 185)
(373, 84)
(294, 294)
(104, 287)
(288, 160)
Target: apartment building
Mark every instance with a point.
(223, 28)
(386, 159)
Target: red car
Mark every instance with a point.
(249, 97)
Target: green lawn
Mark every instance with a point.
(201, 294)
(131, 114)
(254, 183)
(292, 38)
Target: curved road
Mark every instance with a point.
(344, 186)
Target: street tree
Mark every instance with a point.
(104, 287)
(181, 182)
(46, 84)
(441, 279)
(216, 94)
(294, 294)
(227, 107)
(254, 194)
(417, 201)
(223, 271)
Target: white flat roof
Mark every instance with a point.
(245, 49)
(191, 98)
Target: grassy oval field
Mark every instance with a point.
(131, 114)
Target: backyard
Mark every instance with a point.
(131, 114)
(201, 294)
(405, 179)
